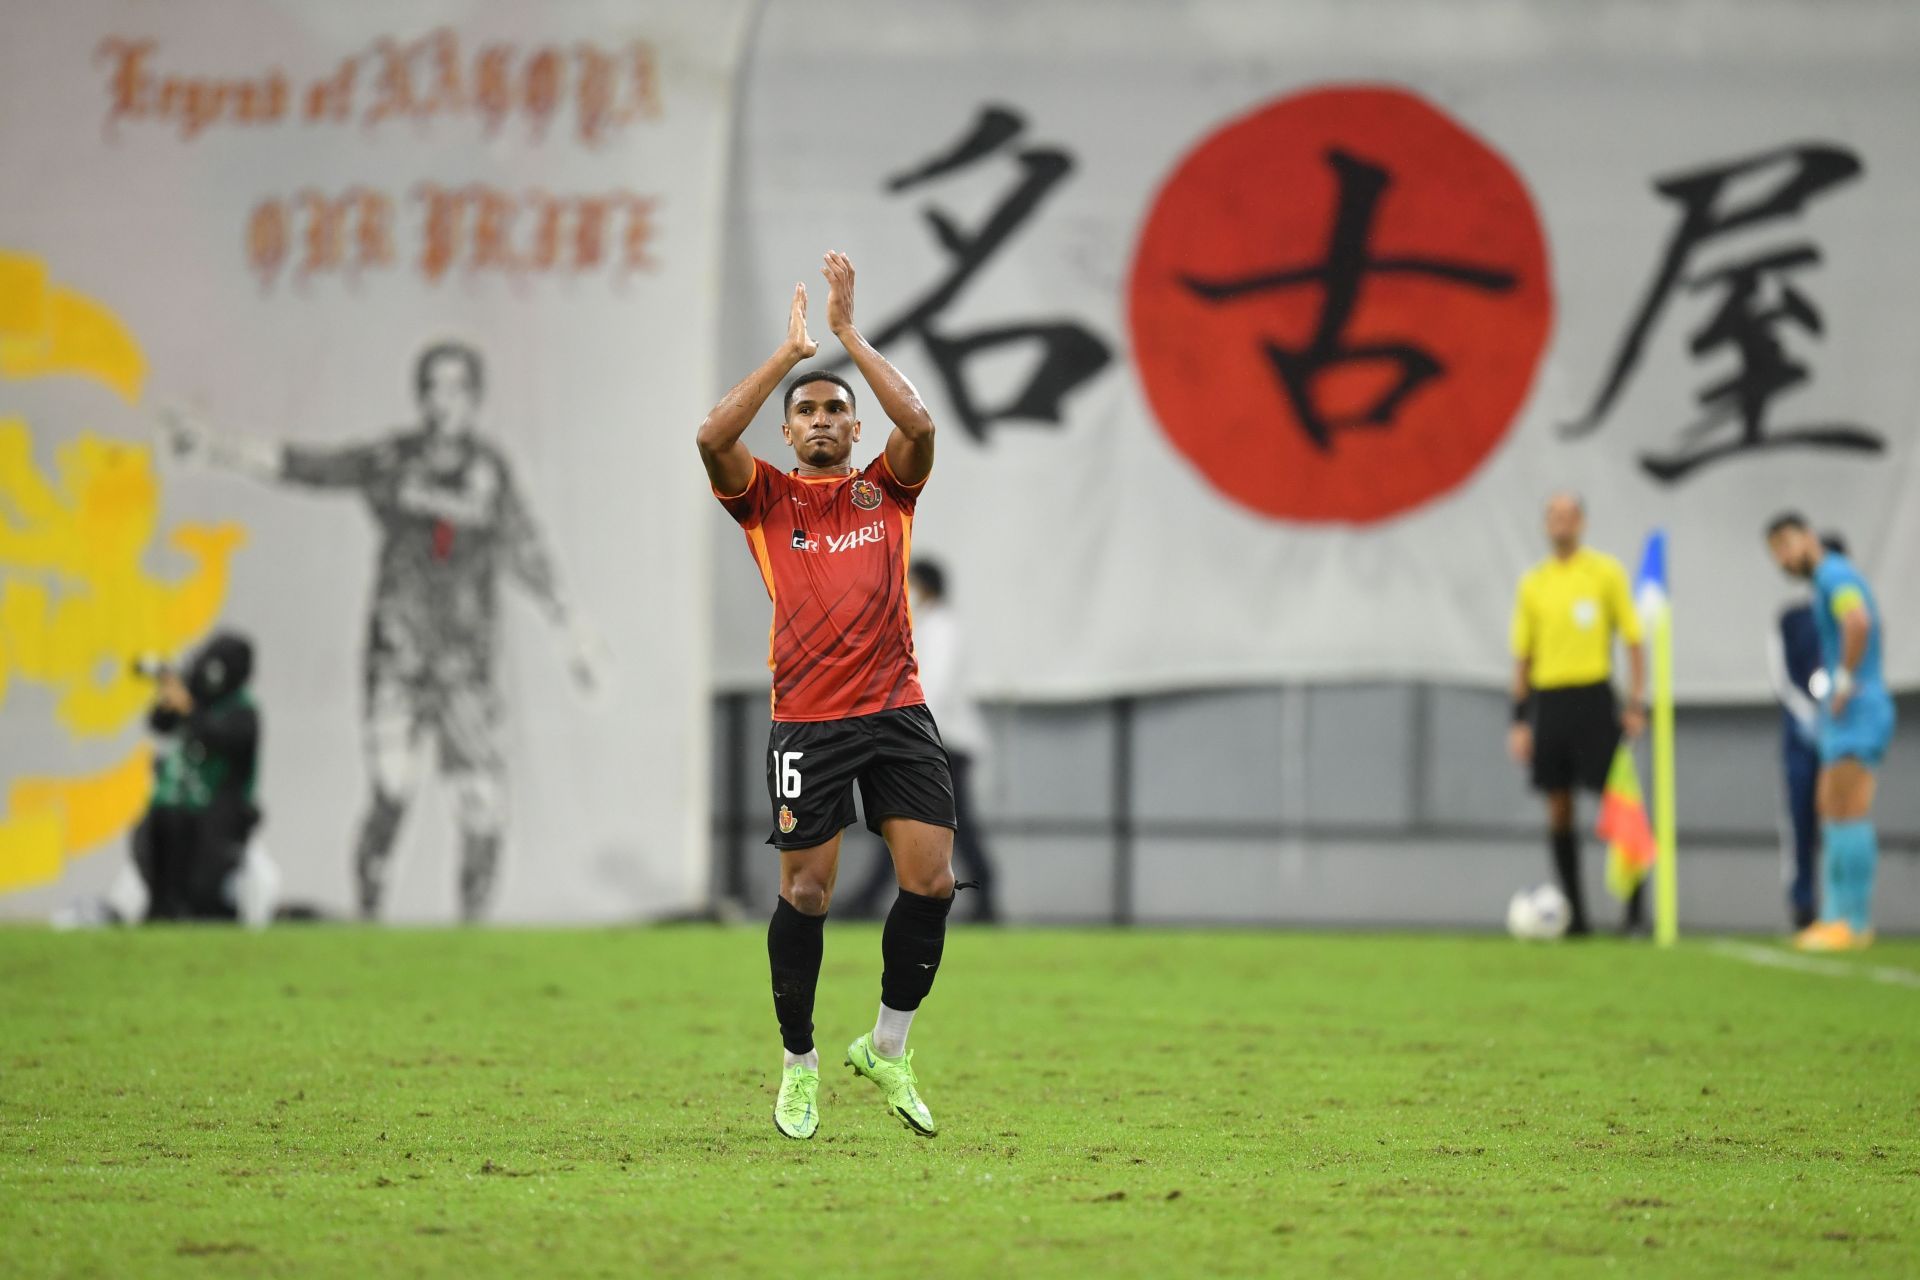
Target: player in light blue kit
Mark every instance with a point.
(1855, 726)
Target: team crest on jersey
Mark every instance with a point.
(866, 494)
(787, 821)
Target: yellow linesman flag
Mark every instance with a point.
(1624, 826)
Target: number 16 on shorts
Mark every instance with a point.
(786, 774)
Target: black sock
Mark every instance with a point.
(1636, 911)
(910, 946)
(1566, 864)
(793, 955)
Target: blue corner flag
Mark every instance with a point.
(1650, 584)
(1651, 599)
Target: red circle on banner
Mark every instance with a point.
(1338, 304)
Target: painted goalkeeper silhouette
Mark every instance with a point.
(451, 520)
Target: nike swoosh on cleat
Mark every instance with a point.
(870, 1061)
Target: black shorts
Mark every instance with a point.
(895, 756)
(1575, 733)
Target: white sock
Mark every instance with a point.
(811, 1058)
(890, 1031)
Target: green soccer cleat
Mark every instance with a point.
(796, 1112)
(895, 1078)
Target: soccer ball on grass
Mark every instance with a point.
(1539, 914)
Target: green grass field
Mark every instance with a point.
(335, 1101)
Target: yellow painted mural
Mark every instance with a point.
(78, 599)
(46, 328)
(50, 818)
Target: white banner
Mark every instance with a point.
(1258, 334)
(474, 647)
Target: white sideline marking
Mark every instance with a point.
(1774, 958)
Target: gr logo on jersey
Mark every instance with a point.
(787, 821)
(865, 494)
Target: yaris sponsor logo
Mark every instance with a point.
(865, 535)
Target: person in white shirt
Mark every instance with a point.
(940, 651)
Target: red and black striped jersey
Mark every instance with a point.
(833, 552)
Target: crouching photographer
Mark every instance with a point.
(195, 833)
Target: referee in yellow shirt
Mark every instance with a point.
(1566, 724)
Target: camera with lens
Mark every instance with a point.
(149, 666)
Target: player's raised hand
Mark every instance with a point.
(838, 269)
(184, 436)
(797, 340)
